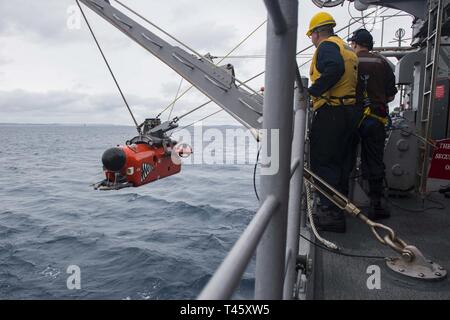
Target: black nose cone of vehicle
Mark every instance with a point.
(114, 159)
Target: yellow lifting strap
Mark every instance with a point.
(368, 113)
(367, 109)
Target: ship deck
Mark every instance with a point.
(342, 277)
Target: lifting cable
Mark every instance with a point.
(109, 67)
(204, 118)
(193, 110)
(176, 98)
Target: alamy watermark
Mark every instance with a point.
(236, 146)
(74, 17)
(374, 280)
(74, 280)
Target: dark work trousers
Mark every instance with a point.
(373, 136)
(333, 131)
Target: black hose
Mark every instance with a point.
(254, 174)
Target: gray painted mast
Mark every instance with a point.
(277, 111)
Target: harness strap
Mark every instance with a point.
(368, 105)
(341, 99)
(368, 113)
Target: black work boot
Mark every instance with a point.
(328, 219)
(378, 210)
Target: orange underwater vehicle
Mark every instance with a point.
(148, 157)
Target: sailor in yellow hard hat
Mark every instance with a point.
(319, 20)
(334, 76)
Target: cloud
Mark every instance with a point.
(169, 89)
(208, 36)
(20, 106)
(34, 18)
(48, 22)
(55, 67)
(5, 61)
(69, 107)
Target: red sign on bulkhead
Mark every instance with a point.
(440, 163)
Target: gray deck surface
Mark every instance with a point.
(340, 277)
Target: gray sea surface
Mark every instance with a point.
(160, 241)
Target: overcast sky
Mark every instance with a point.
(50, 73)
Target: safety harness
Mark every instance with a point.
(367, 105)
(342, 100)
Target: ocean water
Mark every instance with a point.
(160, 241)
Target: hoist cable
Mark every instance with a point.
(204, 118)
(109, 67)
(176, 96)
(193, 110)
(242, 41)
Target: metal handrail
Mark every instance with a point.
(294, 166)
(296, 185)
(226, 279)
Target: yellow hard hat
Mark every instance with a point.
(319, 20)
